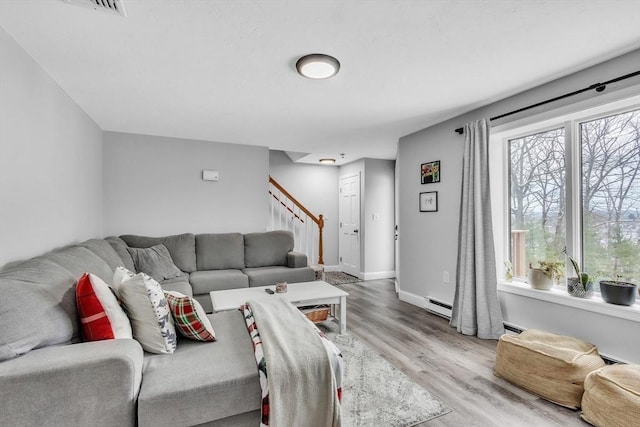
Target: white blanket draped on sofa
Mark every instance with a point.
(296, 374)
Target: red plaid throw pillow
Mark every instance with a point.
(189, 316)
(100, 314)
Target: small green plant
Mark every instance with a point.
(551, 269)
(585, 279)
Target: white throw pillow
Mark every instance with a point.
(120, 275)
(146, 306)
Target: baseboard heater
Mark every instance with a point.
(437, 307)
(442, 309)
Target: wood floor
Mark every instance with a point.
(456, 369)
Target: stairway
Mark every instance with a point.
(287, 213)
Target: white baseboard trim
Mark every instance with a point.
(378, 275)
(413, 299)
(332, 268)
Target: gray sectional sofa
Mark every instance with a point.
(212, 262)
(49, 377)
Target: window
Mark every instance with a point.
(611, 196)
(537, 190)
(576, 185)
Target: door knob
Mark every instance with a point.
(355, 231)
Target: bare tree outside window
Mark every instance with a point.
(610, 191)
(538, 196)
(611, 196)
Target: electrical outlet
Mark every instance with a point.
(445, 277)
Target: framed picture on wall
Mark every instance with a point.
(430, 172)
(429, 201)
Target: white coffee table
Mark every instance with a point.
(299, 294)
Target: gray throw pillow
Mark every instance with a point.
(155, 261)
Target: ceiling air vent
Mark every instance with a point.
(110, 6)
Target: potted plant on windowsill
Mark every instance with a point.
(618, 292)
(581, 286)
(542, 278)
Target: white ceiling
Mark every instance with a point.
(225, 70)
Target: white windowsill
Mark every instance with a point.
(561, 297)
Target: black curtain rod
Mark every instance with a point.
(599, 87)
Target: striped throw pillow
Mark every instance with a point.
(100, 314)
(189, 317)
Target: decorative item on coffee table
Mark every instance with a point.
(281, 287)
(581, 286)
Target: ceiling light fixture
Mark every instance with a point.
(318, 66)
(327, 161)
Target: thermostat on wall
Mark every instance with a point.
(210, 175)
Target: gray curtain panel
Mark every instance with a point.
(476, 310)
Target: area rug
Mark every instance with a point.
(375, 393)
(339, 278)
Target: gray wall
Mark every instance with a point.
(316, 187)
(429, 241)
(50, 161)
(153, 186)
(379, 219)
(377, 193)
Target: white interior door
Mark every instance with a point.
(349, 213)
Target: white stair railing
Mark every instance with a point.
(287, 213)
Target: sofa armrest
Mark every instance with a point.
(93, 383)
(296, 259)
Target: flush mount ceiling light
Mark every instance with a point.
(327, 161)
(318, 66)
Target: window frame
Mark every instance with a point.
(568, 117)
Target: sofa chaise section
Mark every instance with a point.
(222, 381)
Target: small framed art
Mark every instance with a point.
(430, 172)
(429, 201)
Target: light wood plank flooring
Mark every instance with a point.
(456, 369)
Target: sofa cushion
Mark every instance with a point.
(206, 281)
(79, 260)
(100, 314)
(104, 250)
(146, 306)
(225, 368)
(155, 261)
(297, 260)
(267, 249)
(265, 276)
(182, 247)
(120, 246)
(189, 316)
(178, 284)
(47, 291)
(220, 251)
